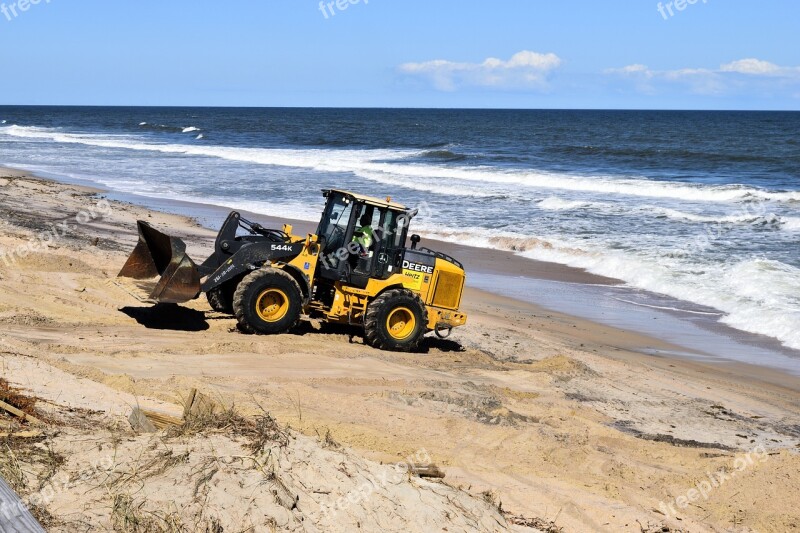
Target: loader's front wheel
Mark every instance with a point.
(221, 298)
(396, 320)
(268, 302)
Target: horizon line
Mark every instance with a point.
(402, 108)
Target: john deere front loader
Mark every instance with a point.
(355, 270)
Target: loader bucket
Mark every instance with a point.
(163, 258)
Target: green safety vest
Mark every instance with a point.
(364, 236)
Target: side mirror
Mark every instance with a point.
(415, 241)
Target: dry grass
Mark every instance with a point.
(20, 455)
(227, 421)
(261, 430)
(537, 523)
(265, 430)
(547, 526)
(11, 469)
(327, 440)
(28, 467)
(30, 464)
(207, 471)
(164, 462)
(51, 461)
(14, 397)
(129, 516)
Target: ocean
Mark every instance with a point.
(703, 207)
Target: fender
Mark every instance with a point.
(301, 278)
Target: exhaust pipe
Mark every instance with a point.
(160, 256)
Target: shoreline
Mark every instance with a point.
(547, 411)
(687, 330)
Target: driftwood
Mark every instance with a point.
(162, 421)
(200, 405)
(144, 421)
(21, 434)
(140, 423)
(16, 412)
(197, 405)
(14, 516)
(428, 470)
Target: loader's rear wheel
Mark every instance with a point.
(267, 301)
(221, 298)
(396, 320)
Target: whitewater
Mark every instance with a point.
(725, 246)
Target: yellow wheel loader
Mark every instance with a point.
(355, 270)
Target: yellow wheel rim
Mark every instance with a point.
(272, 305)
(401, 323)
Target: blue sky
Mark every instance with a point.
(712, 54)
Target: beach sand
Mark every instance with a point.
(547, 415)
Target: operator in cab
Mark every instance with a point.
(364, 236)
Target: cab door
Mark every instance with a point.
(335, 232)
(390, 246)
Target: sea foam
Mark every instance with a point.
(382, 164)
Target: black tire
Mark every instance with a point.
(396, 306)
(221, 298)
(267, 302)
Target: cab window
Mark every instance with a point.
(333, 228)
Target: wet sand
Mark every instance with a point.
(687, 330)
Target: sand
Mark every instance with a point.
(548, 416)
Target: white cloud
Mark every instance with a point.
(751, 66)
(756, 67)
(524, 69)
(734, 75)
(631, 69)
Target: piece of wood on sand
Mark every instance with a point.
(144, 421)
(427, 470)
(20, 414)
(197, 405)
(32, 434)
(200, 405)
(140, 423)
(162, 421)
(14, 515)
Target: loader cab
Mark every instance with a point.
(361, 238)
